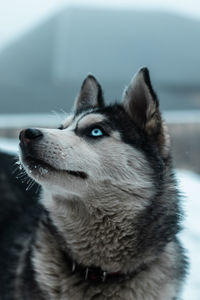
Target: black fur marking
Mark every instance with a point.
(80, 174)
(61, 127)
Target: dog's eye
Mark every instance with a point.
(96, 132)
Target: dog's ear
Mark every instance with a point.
(140, 101)
(90, 94)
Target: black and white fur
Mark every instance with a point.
(110, 203)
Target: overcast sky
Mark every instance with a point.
(18, 16)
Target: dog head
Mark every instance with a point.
(97, 145)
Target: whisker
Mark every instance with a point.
(64, 112)
(28, 180)
(18, 166)
(21, 175)
(57, 114)
(15, 170)
(30, 184)
(37, 190)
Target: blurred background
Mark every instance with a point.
(47, 48)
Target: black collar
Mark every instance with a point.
(92, 274)
(96, 275)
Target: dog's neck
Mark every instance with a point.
(93, 236)
(97, 233)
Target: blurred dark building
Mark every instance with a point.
(43, 70)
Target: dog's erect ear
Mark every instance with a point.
(140, 101)
(90, 94)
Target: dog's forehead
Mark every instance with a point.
(90, 119)
(83, 120)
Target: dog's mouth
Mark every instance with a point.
(42, 168)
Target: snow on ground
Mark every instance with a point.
(189, 185)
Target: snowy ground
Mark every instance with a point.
(189, 184)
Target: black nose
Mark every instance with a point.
(30, 134)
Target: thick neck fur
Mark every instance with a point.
(98, 233)
(102, 235)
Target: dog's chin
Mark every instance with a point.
(40, 170)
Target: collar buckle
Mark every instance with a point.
(86, 273)
(103, 277)
(73, 266)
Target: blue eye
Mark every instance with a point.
(96, 132)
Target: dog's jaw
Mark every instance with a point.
(43, 172)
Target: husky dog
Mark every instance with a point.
(111, 208)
